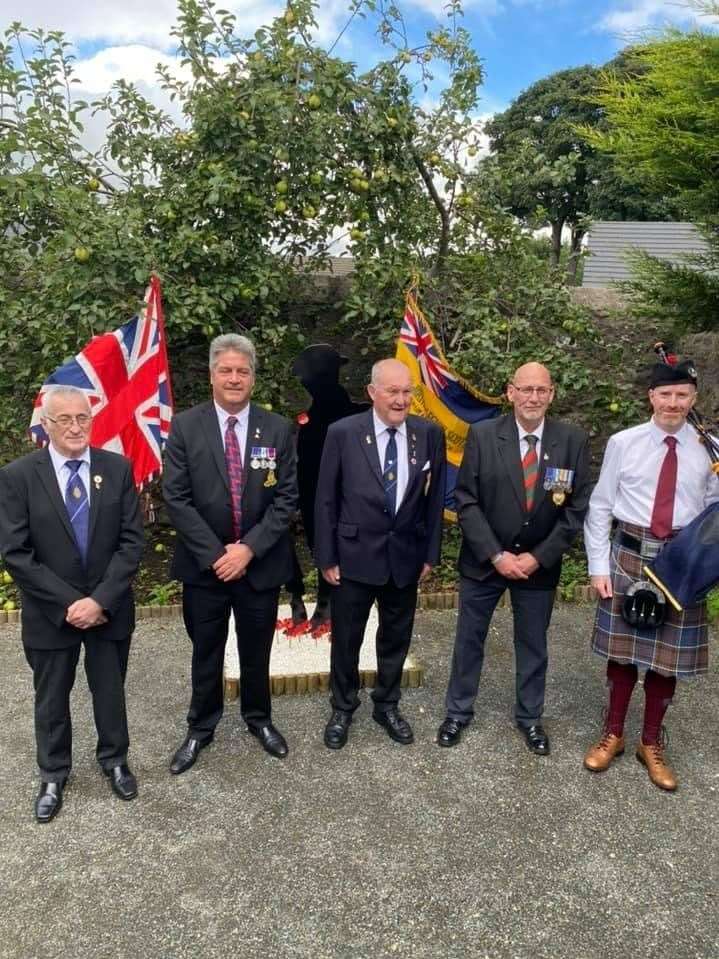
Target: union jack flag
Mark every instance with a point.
(440, 394)
(126, 378)
(415, 333)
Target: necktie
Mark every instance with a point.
(663, 511)
(530, 468)
(78, 507)
(233, 460)
(389, 472)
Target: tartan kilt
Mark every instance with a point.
(679, 647)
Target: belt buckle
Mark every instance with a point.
(649, 550)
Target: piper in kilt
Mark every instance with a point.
(655, 479)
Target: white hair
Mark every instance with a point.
(52, 391)
(238, 344)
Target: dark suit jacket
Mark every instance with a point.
(491, 501)
(39, 549)
(197, 494)
(354, 529)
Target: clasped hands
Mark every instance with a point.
(85, 613)
(233, 563)
(516, 566)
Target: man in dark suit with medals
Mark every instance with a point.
(230, 487)
(522, 492)
(71, 536)
(378, 529)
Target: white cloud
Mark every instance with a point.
(642, 14)
(135, 63)
(131, 21)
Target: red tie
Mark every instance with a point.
(233, 460)
(663, 512)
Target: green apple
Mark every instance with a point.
(280, 206)
(314, 102)
(82, 254)
(281, 187)
(9, 605)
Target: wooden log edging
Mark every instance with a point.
(447, 600)
(298, 685)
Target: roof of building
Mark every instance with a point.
(608, 242)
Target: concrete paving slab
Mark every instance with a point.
(376, 850)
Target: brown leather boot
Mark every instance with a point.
(660, 772)
(599, 756)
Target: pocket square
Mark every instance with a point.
(425, 467)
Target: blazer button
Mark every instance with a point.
(517, 546)
(525, 523)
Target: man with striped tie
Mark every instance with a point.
(230, 485)
(71, 536)
(522, 492)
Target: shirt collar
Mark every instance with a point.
(59, 459)
(380, 427)
(223, 416)
(659, 435)
(535, 432)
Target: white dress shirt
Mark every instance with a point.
(242, 418)
(382, 437)
(628, 481)
(63, 472)
(523, 444)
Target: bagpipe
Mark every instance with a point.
(688, 566)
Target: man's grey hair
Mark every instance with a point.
(232, 341)
(377, 367)
(58, 391)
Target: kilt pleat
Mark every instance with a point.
(679, 647)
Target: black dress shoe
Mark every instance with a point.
(537, 739)
(337, 728)
(273, 742)
(396, 725)
(49, 801)
(122, 781)
(450, 732)
(187, 754)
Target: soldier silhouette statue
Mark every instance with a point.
(317, 367)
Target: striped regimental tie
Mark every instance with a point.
(235, 474)
(530, 468)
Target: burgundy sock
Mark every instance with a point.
(658, 693)
(621, 679)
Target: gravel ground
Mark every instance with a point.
(377, 850)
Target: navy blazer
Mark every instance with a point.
(197, 494)
(491, 500)
(39, 548)
(353, 526)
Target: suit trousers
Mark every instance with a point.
(351, 602)
(206, 611)
(54, 676)
(531, 611)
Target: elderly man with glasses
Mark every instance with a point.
(71, 535)
(522, 492)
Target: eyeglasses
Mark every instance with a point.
(541, 391)
(64, 420)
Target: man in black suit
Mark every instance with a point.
(71, 535)
(378, 529)
(522, 492)
(230, 487)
